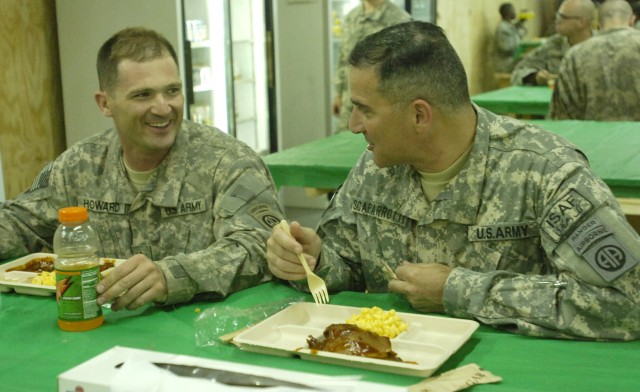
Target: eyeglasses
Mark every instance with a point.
(560, 15)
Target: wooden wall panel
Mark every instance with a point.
(31, 124)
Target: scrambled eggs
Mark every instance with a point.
(45, 278)
(376, 320)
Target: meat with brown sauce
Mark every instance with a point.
(352, 340)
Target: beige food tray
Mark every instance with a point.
(20, 281)
(424, 346)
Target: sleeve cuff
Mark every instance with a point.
(180, 288)
(456, 299)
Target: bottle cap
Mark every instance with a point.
(72, 214)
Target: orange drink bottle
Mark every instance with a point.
(77, 271)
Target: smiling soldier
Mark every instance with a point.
(187, 205)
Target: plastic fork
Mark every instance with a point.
(316, 285)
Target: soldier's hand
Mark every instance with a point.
(542, 77)
(132, 284)
(283, 250)
(336, 106)
(422, 284)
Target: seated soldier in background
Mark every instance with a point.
(573, 25)
(636, 11)
(507, 38)
(600, 78)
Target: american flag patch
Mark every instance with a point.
(42, 181)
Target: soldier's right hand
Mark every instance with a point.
(283, 250)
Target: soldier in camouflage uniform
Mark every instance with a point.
(365, 19)
(196, 201)
(573, 25)
(481, 216)
(507, 38)
(600, 78)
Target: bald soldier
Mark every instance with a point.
(600, 78)
(187, 205)
(573, 23)
(481, 216)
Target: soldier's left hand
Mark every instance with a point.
(422, 284)
(132, 284)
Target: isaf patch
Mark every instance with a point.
(264, 215)
(610, 258)
(565, 213)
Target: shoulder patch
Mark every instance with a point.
(241, 192)
(264, 215)
(610, 258)
(42, 181)
(568, 210)
(586, 234)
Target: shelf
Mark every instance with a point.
(202, 89)
(201, 44)
(245, 119)
(244, 81)
(242, 41)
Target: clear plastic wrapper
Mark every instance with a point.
(214, 323)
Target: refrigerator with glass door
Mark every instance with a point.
(226, 49)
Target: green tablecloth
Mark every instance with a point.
(323, 163)
(34, 351)
(526, 46)
(520, 100)
(612, 149)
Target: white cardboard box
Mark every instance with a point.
(98, 373)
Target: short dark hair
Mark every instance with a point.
(134, 43)
(414, 60)
(506, 9)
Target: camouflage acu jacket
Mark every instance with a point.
(547, 56)
(600, 79)
(538, 243)
(507, 38)
(357, 25)
(204, 218)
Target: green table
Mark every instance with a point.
(612, 149)
(519, 100)
(525, 46)
(323, 163)
(34, 351)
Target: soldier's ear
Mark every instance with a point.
(103, 102)
(423, 112)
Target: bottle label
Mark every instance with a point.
(76, 294)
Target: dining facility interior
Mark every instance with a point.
(307, 160)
